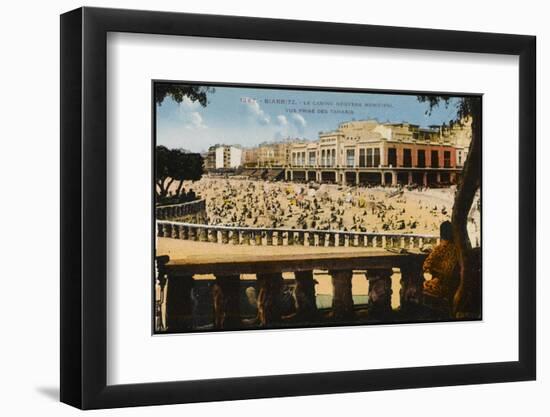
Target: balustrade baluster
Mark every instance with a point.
(280, 238)
(203, 234)
(269, 298)
(311, 238)
(321, 237)
(412, 283)
(304, 295)
(258, 238)
(225, 236)
(331, 239)
(269, 238)
(341, 239)
(192, 233)
(226, 300)
(213, 235)
(160, 307)
(235, 236)
(370, 241)
(301, 238)
(290, 240)
(175, 231)
(379, 292)
(342, 300)
(184, 232)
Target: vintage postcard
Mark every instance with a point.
(293, 207)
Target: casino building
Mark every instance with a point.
(369, 152)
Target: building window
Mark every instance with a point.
(435, 159)
(392, 157)
(447, 159)
(350, 157)
(312, 159)
(362, 158)
(376, 157)
(369, 157)
(407, 158)
(421, 163)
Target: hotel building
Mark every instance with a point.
(223, 157)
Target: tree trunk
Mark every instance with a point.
(180, 186)
(162, 188)
(467, 299)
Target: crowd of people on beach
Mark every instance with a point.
(241, 202)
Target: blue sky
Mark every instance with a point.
(249, 116)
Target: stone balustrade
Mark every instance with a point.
(288, 237)
(174, 211)
(377, 265)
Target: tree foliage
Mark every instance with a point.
(178, 92)
(176, 165)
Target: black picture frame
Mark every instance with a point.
(84, 207)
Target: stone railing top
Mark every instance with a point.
(228, 264)
(290, 230)
(181, 204)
